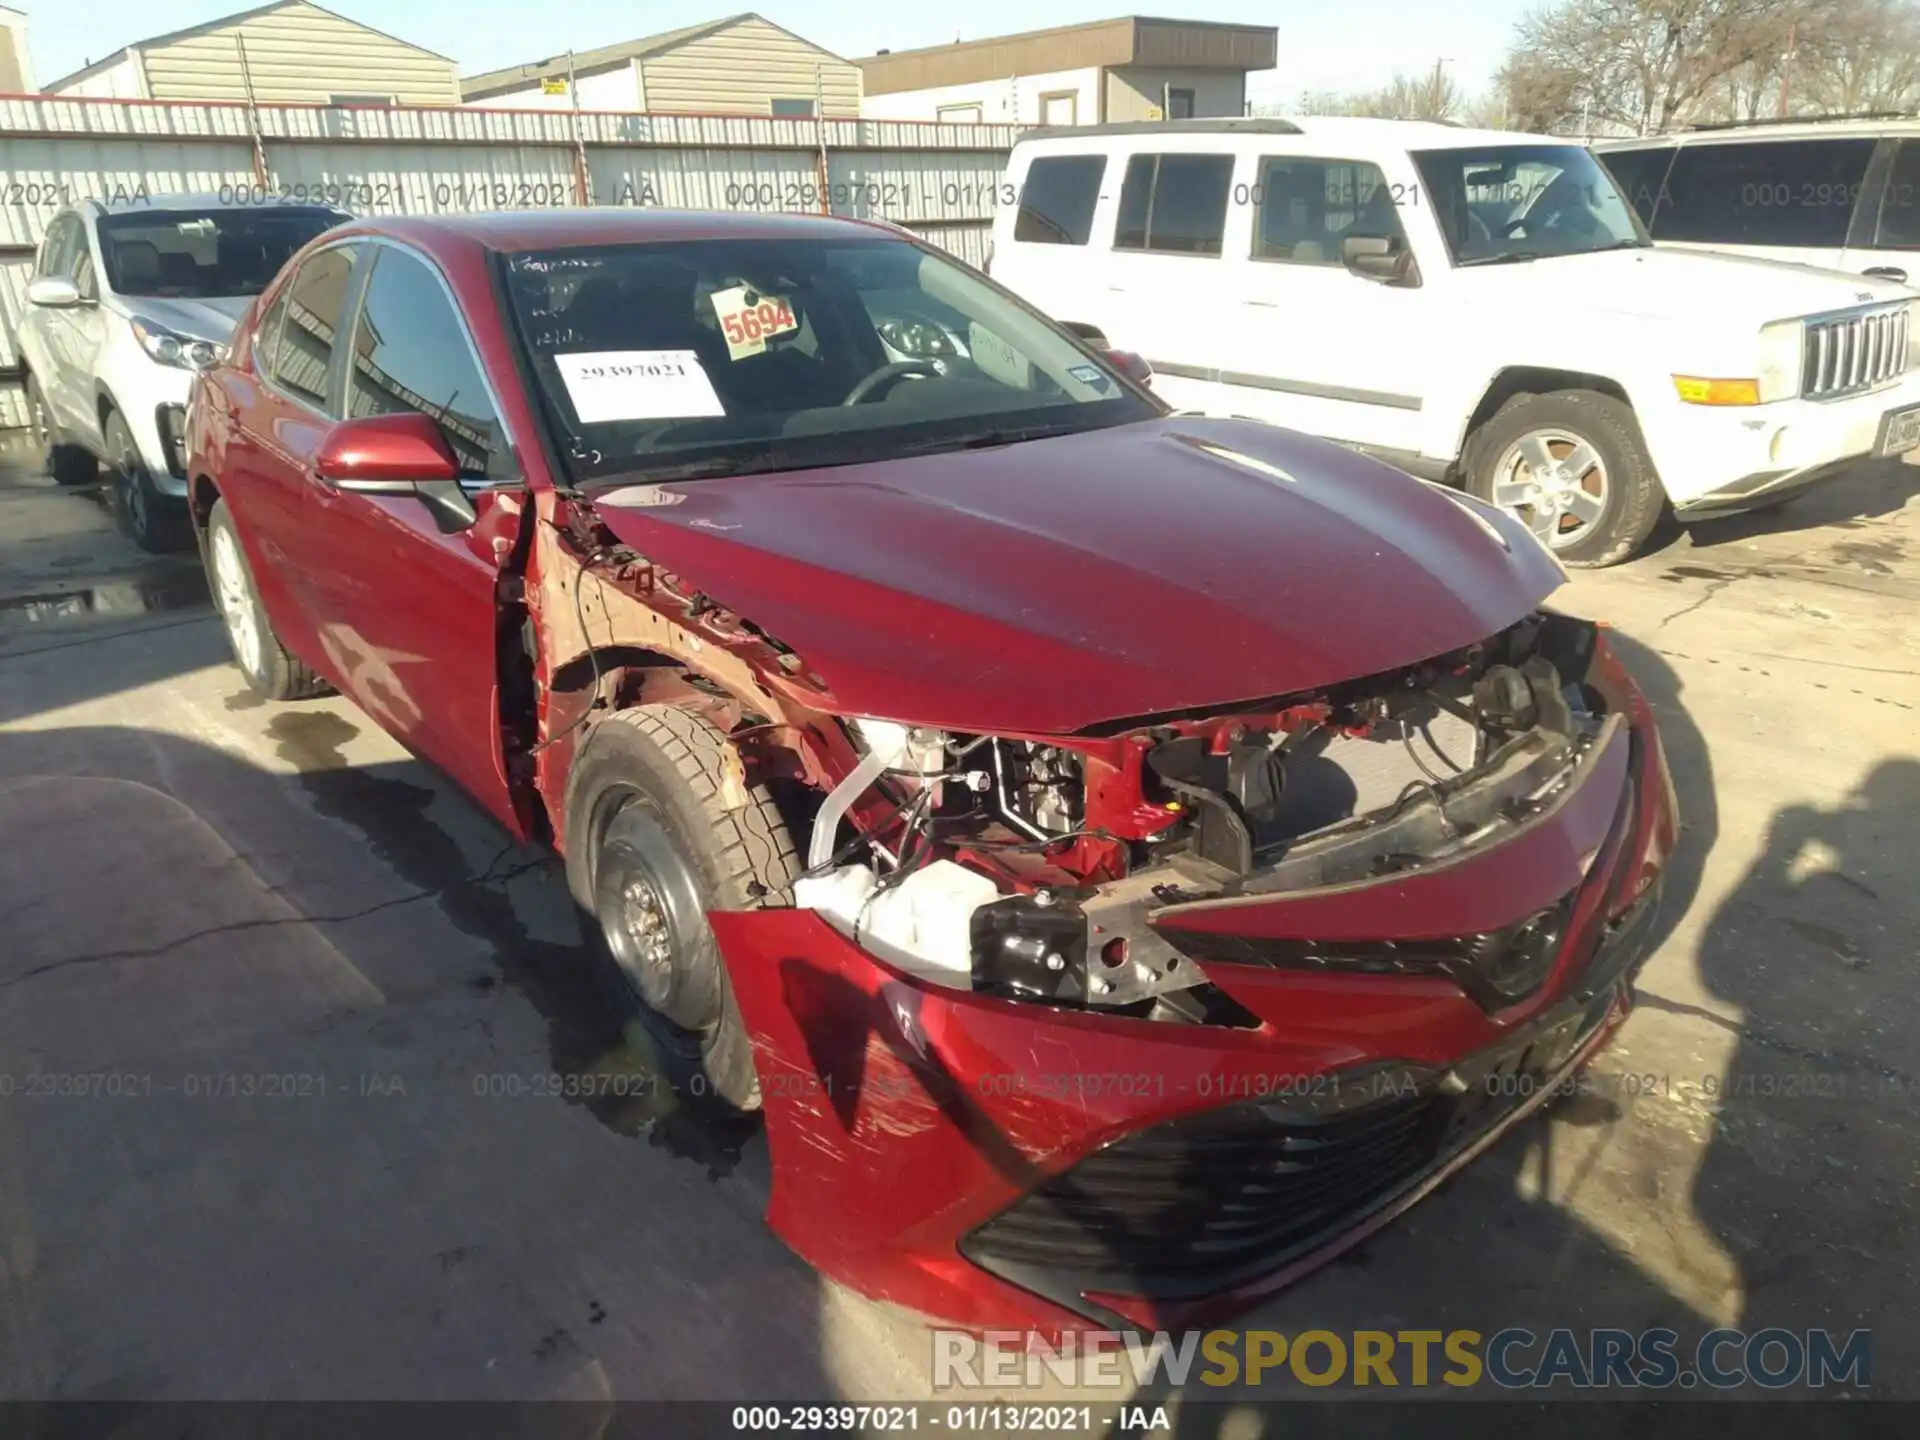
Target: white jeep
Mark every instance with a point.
(1474, 306)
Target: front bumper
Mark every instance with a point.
(1718, 460)
(1006, 1166)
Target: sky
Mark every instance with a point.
(1342, 46)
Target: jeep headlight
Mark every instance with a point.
(1782, 346)
(183, 352)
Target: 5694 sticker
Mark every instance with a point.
(748, 319)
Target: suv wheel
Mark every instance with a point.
(156, 522)
(1573, 468)
(67, 464)
(653, 844)
(271, 671)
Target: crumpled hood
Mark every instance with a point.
(1049, 586)
(209, 319)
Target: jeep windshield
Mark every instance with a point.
(205, 254)
(704, 358)
(1512, 203)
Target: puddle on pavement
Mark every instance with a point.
(603, 1070)
(105, 601)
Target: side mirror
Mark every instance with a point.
(1131, 365)
(404, 454)
(1379, 258)
(54, 291)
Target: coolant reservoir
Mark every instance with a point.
(923, 925)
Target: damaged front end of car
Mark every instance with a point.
(1132, 1024)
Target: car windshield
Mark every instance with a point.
(715, 356)
(1526, 202)
(205, 254)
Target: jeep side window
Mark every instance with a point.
(1898, 227)
(56, 251)
(1771, 192)
(1057, 200)
(1174, 203)
(1307, 207)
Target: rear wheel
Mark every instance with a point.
(270, 670)
(1573, 468)
(153, 520)
(67, 464)
(657, 837)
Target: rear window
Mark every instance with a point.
(1772, 192)
(1174, 203)
(1640, 174)
(316, 301)
(1058, 198)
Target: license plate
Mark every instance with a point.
(1899, 431)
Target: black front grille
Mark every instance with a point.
(1203, 1203)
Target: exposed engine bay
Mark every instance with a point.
(1038, 867)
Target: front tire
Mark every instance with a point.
(656, 837)
(154, 521)
(270, 669)
(1573, 468)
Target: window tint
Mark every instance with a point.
(1776, 192)
(410, 353)
(1640, 175)
(304, 348)
(1176, 203)
(266, 335)
(1057, 199)
(1899, 225)
(1307, 207)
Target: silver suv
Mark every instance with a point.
(126, 303)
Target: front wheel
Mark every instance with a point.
(1571, 466)
(657, 836)
(155, 521)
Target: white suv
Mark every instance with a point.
(126, 302)
(1475, 306)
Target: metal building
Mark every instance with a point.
(287, 53)
(741, 65)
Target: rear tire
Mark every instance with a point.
(155, 521)
(67, 464)
(654, 841)
(270, 669)
(1572, 467)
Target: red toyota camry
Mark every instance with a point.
(1128, 856)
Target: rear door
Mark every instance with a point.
(405, 611)
(1167, 289)
(1886, 237)
(1790, 199)
(282, 411)
(1050, 258)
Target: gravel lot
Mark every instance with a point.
(330, 995)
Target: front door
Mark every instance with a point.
(405, 611)
(1886, 240)
(1306, 342)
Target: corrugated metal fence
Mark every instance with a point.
(938, 180)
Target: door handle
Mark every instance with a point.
(1887, 272)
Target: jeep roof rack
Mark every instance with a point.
(1800, 120)
(1232, 125)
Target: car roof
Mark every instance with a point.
(1363, 130)
(1848, 128)
(508, 230)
